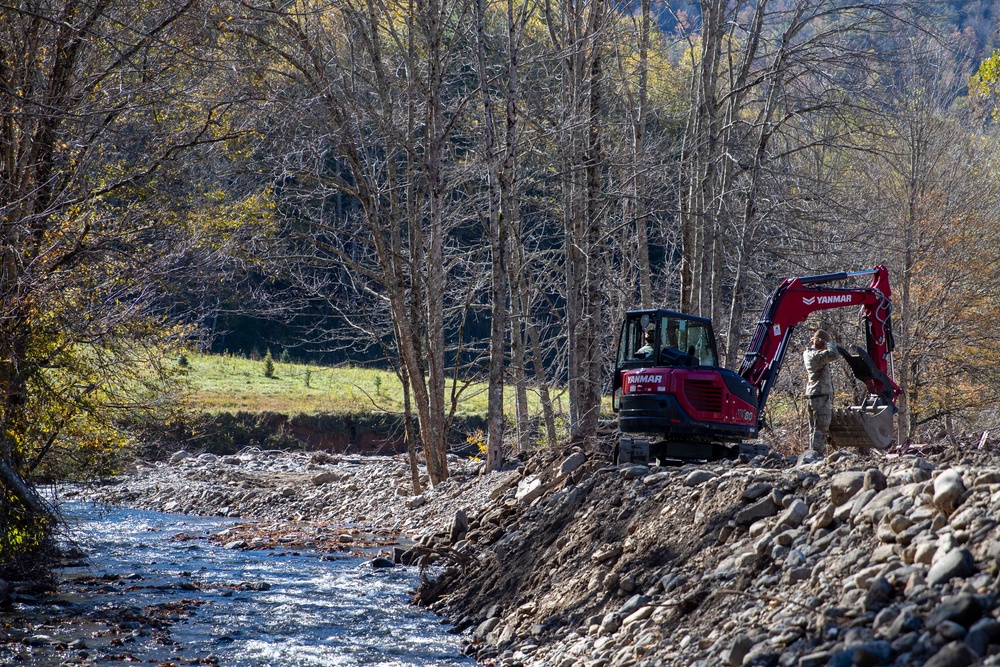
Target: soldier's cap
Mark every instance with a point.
(822, 335)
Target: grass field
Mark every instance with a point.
(223, 383)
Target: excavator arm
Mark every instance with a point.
(794, 300)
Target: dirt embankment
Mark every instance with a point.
(360, 433)
(852, 560)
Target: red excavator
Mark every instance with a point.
(674, 402)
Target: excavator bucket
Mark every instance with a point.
(866, 425)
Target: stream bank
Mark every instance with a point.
(360, 433)
(566, 560)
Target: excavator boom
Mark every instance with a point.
(867, 425)
(797, 298)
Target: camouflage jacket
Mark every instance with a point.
(819, 381)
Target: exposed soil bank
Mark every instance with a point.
(852, 560)
(361, 433)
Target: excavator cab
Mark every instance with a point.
(672, 398)
(665, 338)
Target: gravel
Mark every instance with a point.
(853, 559)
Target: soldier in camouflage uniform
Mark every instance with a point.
(819, 386)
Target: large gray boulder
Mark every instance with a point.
(761, 509)
(948, 487)
(177, 457)
(956, 563)
(955, 654)
(845, 485)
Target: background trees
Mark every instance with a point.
(475, 190)
(932, 185)
(430, 190)
(367, 107)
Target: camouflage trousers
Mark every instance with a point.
(820, 415)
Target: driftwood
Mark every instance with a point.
(427, 555)
(430, 590)
(24, 493)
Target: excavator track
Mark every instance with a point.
(632, 450)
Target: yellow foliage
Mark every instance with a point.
(984, 86)
(478, 440)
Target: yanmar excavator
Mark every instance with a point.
(674, 402)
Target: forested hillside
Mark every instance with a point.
(477, 189)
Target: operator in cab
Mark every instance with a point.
(819, 387)
(646, 350)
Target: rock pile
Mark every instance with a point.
(851, 560)
(846, 561)
(298, 486)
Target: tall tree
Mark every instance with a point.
(365, 99)
(760, 72)
(502, 146)
(95, 99)
(577, 32)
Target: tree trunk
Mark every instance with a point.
(24, 493)
(434, 145)
(409, 434)
(588, 347)
(639, 162)
(518, 331)
(548, 413)
(519, 364)
(499, 288)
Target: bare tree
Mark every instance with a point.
(577, 33)
(932, 185)
(502, 145)
(762, 70)
(365, 109)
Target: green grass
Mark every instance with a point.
(224, 383)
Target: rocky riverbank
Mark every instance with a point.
(307, 487)
(853, 560)
(567, 560)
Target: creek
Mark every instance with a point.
(166, 595)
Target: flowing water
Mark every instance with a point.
(231, 607)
